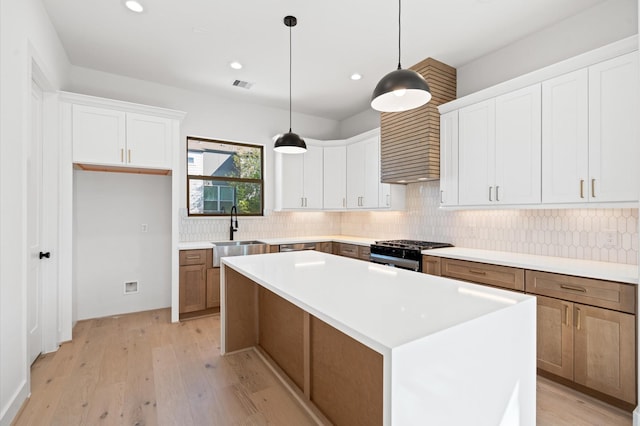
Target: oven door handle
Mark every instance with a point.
(413, 265)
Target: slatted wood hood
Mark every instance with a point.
(410, 140)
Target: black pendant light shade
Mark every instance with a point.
(400, 90)
(290, 143)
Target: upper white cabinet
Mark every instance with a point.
(449, 159)
(112, 137)
(614, 139)
(499, 150)
(590, 134)
(363, 174)
(335, 177)
(518, 147)
(570, 136)
(565, 138)
(299, 179)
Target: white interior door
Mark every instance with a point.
(34, 226)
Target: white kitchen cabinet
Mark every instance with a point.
(499, 150)
(299, 179)
(335, 177)
(565, 138)
(449, 159)
(363, 174)
(590, 134)
(109, 137)
(614, 147)
(477, 129)
(518, 147)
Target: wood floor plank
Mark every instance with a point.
(140, 369)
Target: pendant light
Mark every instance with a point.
(400, 90)
(290, 143)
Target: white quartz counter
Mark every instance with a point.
(560, 265)
(379, 306)
(193, 245)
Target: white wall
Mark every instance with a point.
(110, 247)
(359, 123)
(26, 34)
(595, 27)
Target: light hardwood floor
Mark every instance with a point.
(139, 369)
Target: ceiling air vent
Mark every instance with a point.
(243, 84)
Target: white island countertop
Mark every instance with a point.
(379, 306)
(560, 265)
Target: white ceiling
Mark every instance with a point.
(190, 43)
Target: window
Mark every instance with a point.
(222, 174)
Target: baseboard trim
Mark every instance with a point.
(17, 402)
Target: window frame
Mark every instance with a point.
(223, 179)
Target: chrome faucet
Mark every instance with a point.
(233, 228)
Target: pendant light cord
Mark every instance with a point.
(289, 79)
(399, 31)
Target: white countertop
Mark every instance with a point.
(379, 306)
(583, 268)
(286, 240)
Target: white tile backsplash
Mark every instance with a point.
(573, 233)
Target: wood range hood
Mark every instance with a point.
(410, 140)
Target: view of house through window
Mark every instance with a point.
(222, 174)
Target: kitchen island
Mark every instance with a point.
(369, 344)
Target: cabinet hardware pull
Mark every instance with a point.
(301, 201)
(193, 257)
(344, 202)
(441, 196)
(593, 188)
(490, 190)
(129, 152)
(388, 200)
(122, 155)
(476, 272)
(497, 193)
(574, 288)
(581, 188)
(578, 322)
(566, 314)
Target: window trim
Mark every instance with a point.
(225, 179)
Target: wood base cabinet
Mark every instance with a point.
(592, 346)
(199, 284)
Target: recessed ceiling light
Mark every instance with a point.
(134, 6)
(235, 65)
(356, 76)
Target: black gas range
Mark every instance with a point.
(405, 254)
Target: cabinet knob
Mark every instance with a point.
(43, 255)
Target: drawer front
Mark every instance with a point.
(348, 250)
(605, 294)
(482, 273)
(431, 265)
(193, 257)
(324, 247)
(364, 252)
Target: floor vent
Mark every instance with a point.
(243, 84)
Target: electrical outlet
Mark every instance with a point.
(608, 238)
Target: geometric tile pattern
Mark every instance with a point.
(572, 233)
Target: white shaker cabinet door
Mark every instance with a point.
(148, 141)
(98, 135)
(335, 177)
(614, 144)
(312, 177)
(449, 159)
(371, 172)
(565, 138)
(289, 181)
(355, 175)
(518, 147)
(476, 140)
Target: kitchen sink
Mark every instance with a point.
(236, 248)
